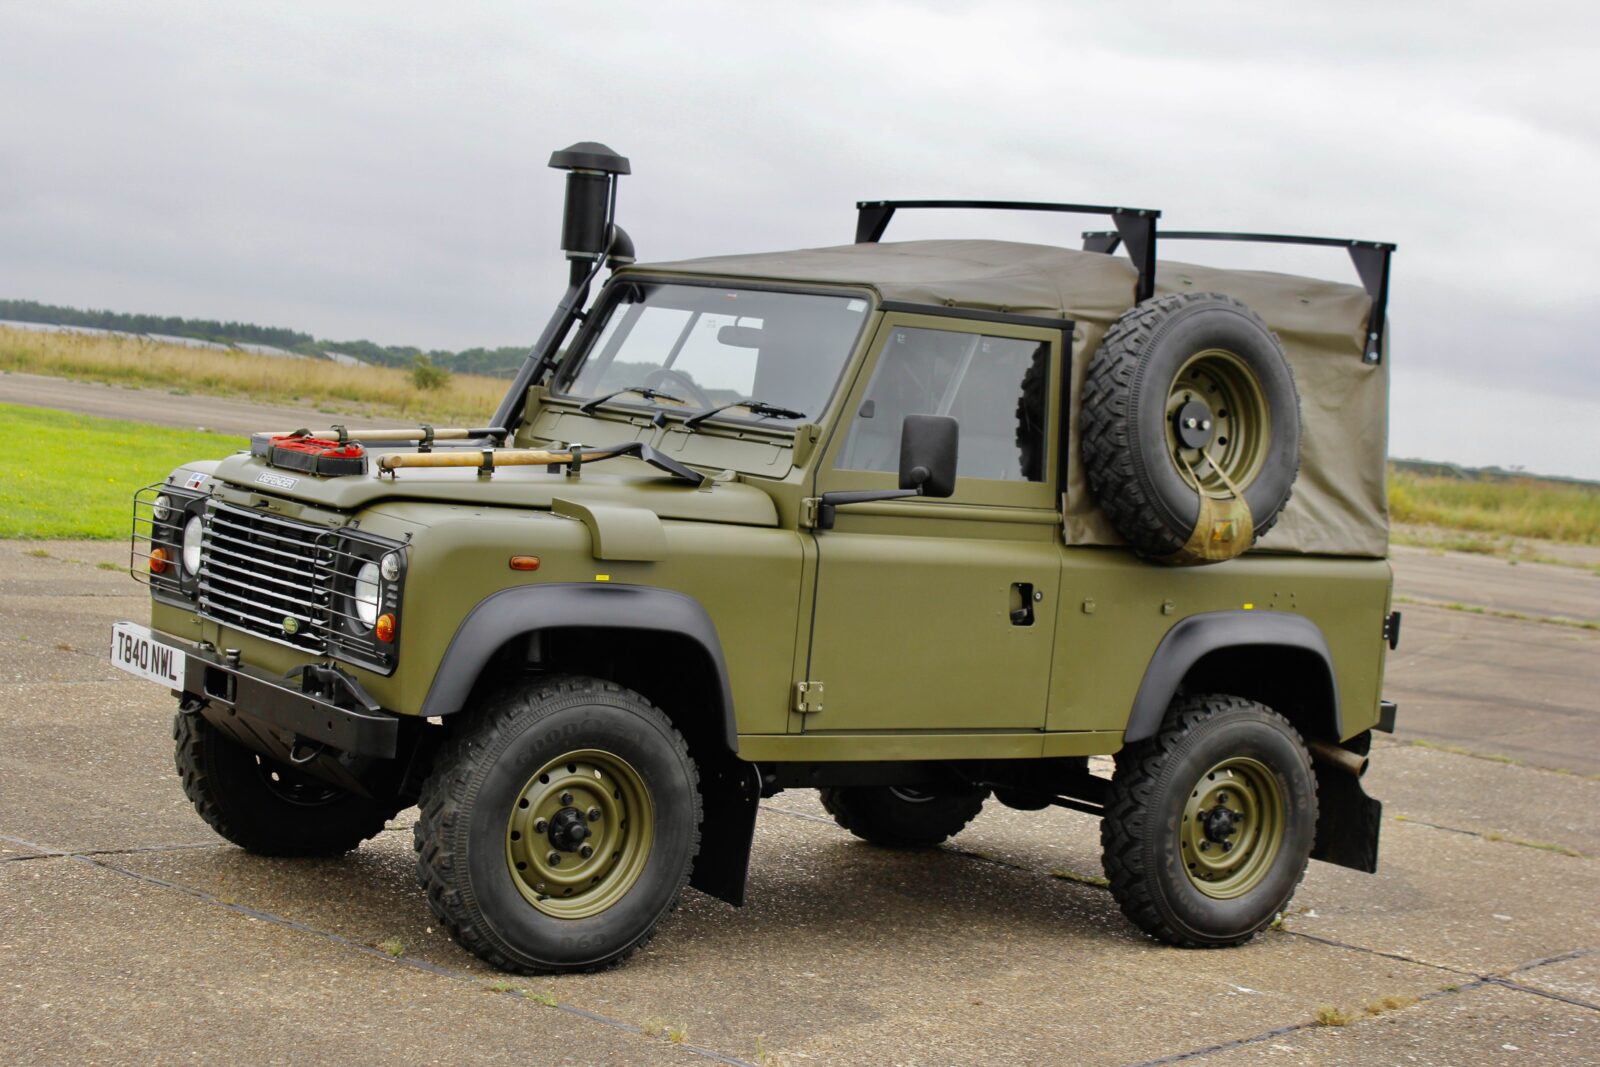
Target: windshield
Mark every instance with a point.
(692, 348)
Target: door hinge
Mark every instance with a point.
(809, 508)
(808, 697)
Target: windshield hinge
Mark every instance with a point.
(808, 697)
(809, 508)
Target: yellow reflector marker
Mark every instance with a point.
(602, 577)
(1249, 607)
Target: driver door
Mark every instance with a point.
(939, 615)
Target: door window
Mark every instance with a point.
(995, 387)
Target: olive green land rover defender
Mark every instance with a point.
(914, 524)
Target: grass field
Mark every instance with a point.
(70, 476)
(1523, 507)
(372, 391)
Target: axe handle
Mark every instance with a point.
(503, 457)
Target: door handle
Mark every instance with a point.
(1022, 600)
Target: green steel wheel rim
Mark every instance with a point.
(1233, 827)
(1216, 387)
(580, 833)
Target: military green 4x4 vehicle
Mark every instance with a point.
(914, 524)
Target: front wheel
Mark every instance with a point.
(559, 828)
(264, 806)
(1210, 822)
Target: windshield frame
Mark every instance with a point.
(631, 403)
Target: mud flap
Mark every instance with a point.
(1348, 822)
(730, 790)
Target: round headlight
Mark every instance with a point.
(161, 510)
(193, 530)
(366, 593)
(389, 566)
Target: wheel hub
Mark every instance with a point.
(1192, 424)
(1232, 827)
(579, 833)
(568, 830)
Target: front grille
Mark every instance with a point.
(291, 582)
(267, 576)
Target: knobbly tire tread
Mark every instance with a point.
(206, 789)
(852, 808)
(1138, 771)
(442, 806)
(1109, 460)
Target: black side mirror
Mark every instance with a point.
(928, 446)
(927, 467)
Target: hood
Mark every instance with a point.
(622, 481)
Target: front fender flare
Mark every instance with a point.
(527, 609)
(1199, 635)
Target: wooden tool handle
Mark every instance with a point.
(503, 457)
(374, 436)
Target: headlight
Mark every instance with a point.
(193, 530)
(161, 510)
(366, 594)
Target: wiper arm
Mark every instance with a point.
(643, 390)
(772, 411)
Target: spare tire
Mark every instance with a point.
(1191, 428)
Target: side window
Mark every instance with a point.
(994, 386)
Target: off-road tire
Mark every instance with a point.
(466, 801)
(1141, 834)
(897, 817)
(1130, 471)
(232, 789)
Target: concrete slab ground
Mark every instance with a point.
(129, 933)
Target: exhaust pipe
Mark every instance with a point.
(1338, 758)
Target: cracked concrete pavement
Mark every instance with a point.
(130, 934)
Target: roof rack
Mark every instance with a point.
(1136, 227)
(1371, 259)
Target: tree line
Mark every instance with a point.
(496, 362)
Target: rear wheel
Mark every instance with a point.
(903, 817)
(264, 806)
(559, 828)
(1210, 822)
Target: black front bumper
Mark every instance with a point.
(314, 705)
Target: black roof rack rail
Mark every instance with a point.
(1136, 227)
(1371, 259)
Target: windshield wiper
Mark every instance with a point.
(643, 390)
(772, 411)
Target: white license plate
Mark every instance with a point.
(135, 650)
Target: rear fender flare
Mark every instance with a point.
(1197, 636)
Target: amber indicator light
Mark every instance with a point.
(159, 558)
(384, 627)
(524, 563)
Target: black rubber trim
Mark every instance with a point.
(512, 613)
(906, 307)
(1198, 635)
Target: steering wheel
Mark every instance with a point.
(656, 378)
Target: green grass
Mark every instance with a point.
(1517, 507)
(73, 476)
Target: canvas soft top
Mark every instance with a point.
(1339, 505)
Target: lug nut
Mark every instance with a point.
(555, 859)
(566, 799)
(540, 826)
(586, 851)
(594, 814)
(1205, 846)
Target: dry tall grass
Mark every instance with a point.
(371, 391)
(1524, 507)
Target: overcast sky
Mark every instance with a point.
(378, 170)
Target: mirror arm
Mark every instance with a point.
(830, 502)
